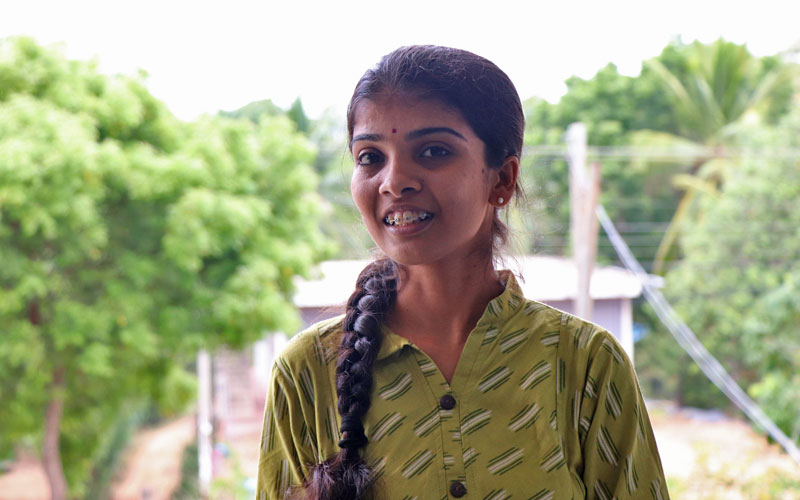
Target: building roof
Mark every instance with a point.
(543, 278)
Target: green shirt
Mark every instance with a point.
(547, 407)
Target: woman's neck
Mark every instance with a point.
(440, 304)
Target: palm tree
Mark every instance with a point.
(714, 89)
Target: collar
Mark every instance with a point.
(391, 343)
(497, 311)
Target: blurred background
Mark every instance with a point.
(174, 205)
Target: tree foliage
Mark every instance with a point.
(669, 105)
(712, 90)
(710, 87)
(612, 106)
(739, 281)
(735, 277)
(254, 111)
(334, 165)
(129, 240)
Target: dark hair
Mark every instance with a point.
(489, 103)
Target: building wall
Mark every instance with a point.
(615, 315)
(311, 315)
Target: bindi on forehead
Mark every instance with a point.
(394, 130)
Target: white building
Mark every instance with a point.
(547, 279)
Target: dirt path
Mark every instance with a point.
(26, 481)
(152, 470)
(707, 455)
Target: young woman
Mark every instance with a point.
(442, 380)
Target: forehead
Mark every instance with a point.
(405, 113)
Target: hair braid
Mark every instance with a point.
(345, 476)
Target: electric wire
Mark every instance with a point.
(691, 344)
(667, 153)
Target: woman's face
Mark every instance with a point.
(421, 181)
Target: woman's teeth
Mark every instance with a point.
(405, 218)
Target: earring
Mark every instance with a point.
(500, 200)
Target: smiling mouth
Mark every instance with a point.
(405, 218)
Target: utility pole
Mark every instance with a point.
(584, 191)
(204, 426)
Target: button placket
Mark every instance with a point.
(449, 426)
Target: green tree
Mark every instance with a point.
(128, 241)
(254, 111)
(612, 106)
(689, 98)
(298, 115)
(738, 283)
(334, 165)
(713, 86)
(643, 194)
(712, 90)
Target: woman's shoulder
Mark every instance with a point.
(540, 316)
(588, 345)
(315, 346)
(571, 333)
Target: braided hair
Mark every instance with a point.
(487, 99)
(345, 476)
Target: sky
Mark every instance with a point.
(203, 56)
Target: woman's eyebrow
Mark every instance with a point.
(414, 134)
(366, 137)
(433, 130)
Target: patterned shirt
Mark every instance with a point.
(542, 406)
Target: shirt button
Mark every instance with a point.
(457, 489)
(447, 402)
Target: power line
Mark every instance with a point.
(669, 153)
(691, 344)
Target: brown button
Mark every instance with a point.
(448, 402)
(457, 489)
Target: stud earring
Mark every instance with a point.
(500, 200)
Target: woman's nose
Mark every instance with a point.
(399, 179)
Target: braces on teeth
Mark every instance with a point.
(405, 218)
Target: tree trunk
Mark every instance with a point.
(51, 455)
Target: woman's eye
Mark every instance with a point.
(434, 151)
(368, 158)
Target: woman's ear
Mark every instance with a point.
(505, 182)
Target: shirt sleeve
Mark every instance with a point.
(282, 457)
(620, 457)
(611, 447)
